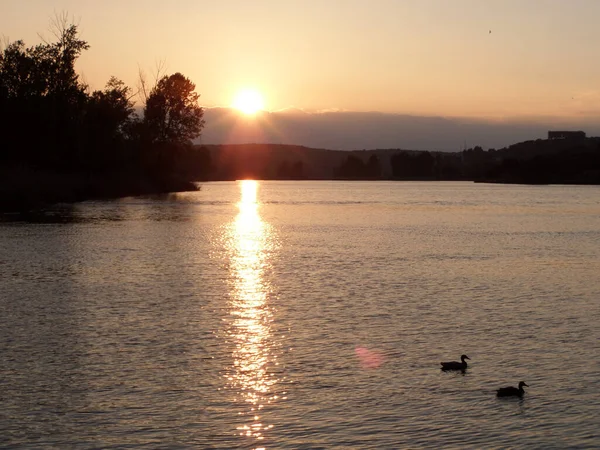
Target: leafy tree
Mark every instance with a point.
(172, 114)
(45, 70)
(112, 107)
(57, 61)
(16, 74)
(40, 91)
(109, 119)
(52, 124)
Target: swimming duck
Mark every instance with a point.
(512, 391)
(455, 365)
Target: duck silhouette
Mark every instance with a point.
(511, 391)
(455, 365)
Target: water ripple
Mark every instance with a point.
(304, 315)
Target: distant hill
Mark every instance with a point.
(547, 161)
(539, 161)
(268, 160)
(533, 148)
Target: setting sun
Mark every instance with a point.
(248, 101)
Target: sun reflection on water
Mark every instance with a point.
(254, 373)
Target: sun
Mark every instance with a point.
(248, 101)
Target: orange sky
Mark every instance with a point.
(425, 57)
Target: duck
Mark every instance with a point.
(455, 365)
(511, 391)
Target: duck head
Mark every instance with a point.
(463, 357)
(522, 383)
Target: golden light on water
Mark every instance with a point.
(252, 376)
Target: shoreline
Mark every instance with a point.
(25, 190)
(27, 195)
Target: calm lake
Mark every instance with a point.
(304, 315)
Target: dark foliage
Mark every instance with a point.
(287, 171)
(541, 161)
(54, 129)
(172, 113)
(42, 101)
(576, 166)
(419, 165)
(355, 168)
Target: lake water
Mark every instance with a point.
(304, 315)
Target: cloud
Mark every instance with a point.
(347, 130)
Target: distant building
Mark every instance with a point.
(566, 135)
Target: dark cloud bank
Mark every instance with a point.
(341, 130)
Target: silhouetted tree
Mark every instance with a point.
(172, 113)
(52, 125)
(41, 91)
(113, 107)
(109, 118)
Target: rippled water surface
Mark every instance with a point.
(304, 315)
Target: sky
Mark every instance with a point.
(495, 60)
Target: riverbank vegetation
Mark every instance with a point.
(63, 142)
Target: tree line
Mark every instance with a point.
(540, 161)
(61, 140)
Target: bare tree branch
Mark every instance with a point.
(143, 88)
(59, 23)
(160, 68)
